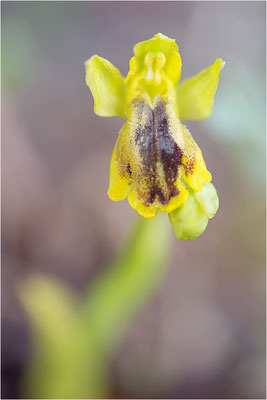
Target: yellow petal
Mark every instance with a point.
(158, 159)
(195, 95)
(196, 176)
(147, 211)
(107, 87)
(176, 201)
(157, 154)
(122, 166)
(193, 170)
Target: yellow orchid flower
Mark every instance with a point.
(155, 163)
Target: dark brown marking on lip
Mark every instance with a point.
(156, 144)
(169, 152)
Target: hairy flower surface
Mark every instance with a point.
(156, 163)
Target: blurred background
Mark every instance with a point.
(202, 335)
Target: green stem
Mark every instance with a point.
(73, 342)
(129, 282)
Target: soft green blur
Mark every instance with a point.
(75, 338)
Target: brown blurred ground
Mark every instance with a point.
(203, 336)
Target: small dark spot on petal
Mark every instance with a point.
(129, 169)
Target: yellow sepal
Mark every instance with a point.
(107, 86)
(195, 95)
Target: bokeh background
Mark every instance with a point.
(202, 335)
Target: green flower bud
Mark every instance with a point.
(208, 200)
(190, 220)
